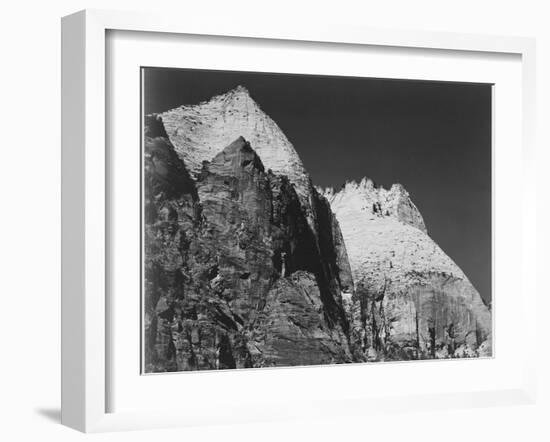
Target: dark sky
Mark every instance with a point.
(432, 137)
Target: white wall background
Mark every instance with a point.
(30, 220)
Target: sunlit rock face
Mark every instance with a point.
(246, 264)
(199, 132)
(411, 300)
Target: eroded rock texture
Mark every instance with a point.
(293, 329)
(411, 301)
(235, 276)
(248, 265)
(199, 132)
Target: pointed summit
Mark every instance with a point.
(199, 132)
(366, 184)
(239, 144)
(235, 159)
(240, 89)
(238, 97)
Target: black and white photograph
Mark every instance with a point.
(286, 221)
(293, 220)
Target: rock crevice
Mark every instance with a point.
(247, 264)
(227, 253)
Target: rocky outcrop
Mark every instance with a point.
(377, 202)
(292, 328)
(246, 264)
(219, 252)
(199, 132)
(411, 300)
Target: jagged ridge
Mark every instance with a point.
(246, 265)
(234, 276)
(411, 300)
(199, 132)
(395, 202)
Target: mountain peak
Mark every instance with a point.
(239, 143)
(239, 96)
(235, 158)
(240, 89)
(379, 202)
(199, 132)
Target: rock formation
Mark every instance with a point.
(411, 300)
(234, 275)
(246, 263)
(199, 132)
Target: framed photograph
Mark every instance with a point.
(274, 222)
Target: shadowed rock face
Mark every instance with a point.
(199, 132)
(292, 328)
(219, 253)
(248, 265)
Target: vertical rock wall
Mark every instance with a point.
(411, 301)
(225, 255)
(248, 265)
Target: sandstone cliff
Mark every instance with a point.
(234, 275)
(411, 300)
(199, 132)
(248, 265)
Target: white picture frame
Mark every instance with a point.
(85, 199)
